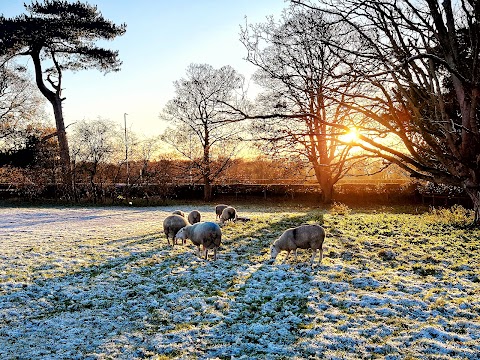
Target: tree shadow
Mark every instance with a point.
(165, 301)
(257, 310)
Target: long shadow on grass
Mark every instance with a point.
(249, 307)
(163, 301)
(81, 310)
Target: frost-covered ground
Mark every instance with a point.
(98, 283)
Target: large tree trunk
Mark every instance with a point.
(327, 193)
(327, 190)
(207, 189)
(63, 144)
(207, 186)
(474, 195)
(55, 99)
(326, 182)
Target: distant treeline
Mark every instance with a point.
(156, 182)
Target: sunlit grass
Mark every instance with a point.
(387, 278)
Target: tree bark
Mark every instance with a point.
(56, 101)
(207, 186)
(207, 189)
(474, 195)
(323, 174)
(326, 185)
(327, 194)
(62, 143)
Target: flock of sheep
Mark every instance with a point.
(208, 235)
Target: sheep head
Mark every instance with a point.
(181, 235)
(274, 251)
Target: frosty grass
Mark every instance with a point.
(101, 283)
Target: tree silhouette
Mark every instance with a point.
(204, 126)
(63, 34)
(419, 64)
(301, 78)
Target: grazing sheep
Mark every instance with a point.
(219, 208)
(194, 217)
(171, 225)
(206, 234)
(229, 213)
(303, 237)
(179, 212)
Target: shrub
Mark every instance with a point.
(457, 215)
(340, 209)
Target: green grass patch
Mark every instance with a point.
(387, 276)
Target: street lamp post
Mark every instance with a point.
(126, 149)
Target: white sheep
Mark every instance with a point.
(301, 237)
(194, 217)
(171, 225)
(218, 210)
(205, 234)
(178, 212)
(229, 213)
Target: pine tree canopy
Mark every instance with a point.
(64, 30)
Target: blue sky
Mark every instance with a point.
(163, 37)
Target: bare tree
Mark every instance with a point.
(204, 128)
(146, 149)
(65, 33)
(93, 144)
(141, 151)
(420, 60)
(302, 78)
(21, 107)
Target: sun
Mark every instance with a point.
(351, 136)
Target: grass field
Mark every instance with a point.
(101, 283)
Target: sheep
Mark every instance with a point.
(303, 237)
(219, 208)
(194, 217)
(171, 225)
(207, 234)
(179, 212)
(229, 213)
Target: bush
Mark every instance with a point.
(340, 209)
(457, 215)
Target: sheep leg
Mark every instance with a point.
(198, 250)
(295, 253)
(320, 256)
(214, 254)
(286, 257)
(166, 235)
(206, 253)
